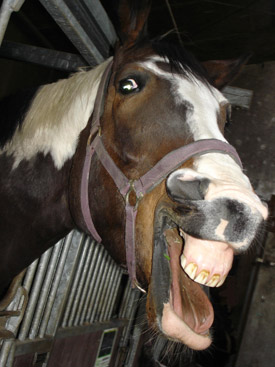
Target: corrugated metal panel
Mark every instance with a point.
(74, 283)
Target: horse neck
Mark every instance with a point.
(34, 211)
(35, 172)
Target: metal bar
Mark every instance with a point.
(81, 282)
(30, 275)
(73, 289)
(7, 8)
(75, 242)
(5, 351)
(102, 19)
(66, 246)
(125, 299)
(45, 290)
(104, 295)
(95, 288)
(238, 97)
(42, 56)
(110, 286)
(90, 25)
(137, 333)
(84, 297)
(113, 295)
(10, 360)
(71, 21)
(159, 346)
(100, 290)
(42, 267)
(18, 303)
(130, 303)
(131, 310)
(98, 255)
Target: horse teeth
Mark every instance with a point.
(191, 270)
(213, 281)
(221, 281)
(183, 261)
(202, 277)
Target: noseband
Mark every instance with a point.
(140, 186)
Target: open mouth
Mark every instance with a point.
(182, 267)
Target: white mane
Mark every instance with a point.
(57, 115)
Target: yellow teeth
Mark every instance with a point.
(221, 281)
(182, 234)
(202, 277)
(183, 261)
(191, 270)
(213, 281)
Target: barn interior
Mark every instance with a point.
(45, 40)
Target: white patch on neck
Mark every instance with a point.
(57, 115)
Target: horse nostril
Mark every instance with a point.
(180, 190)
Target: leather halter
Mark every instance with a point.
(140, 186)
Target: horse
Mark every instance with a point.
(132, 152)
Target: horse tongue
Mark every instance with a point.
(187, 298)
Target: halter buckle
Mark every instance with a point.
(138, 196)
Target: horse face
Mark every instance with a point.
(189, 227)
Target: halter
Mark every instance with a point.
(140, 186)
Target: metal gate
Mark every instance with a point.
(79, 311)
(74, 305)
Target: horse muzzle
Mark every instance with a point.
(195, 239)
(216, 211)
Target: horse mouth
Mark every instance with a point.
(182, 268)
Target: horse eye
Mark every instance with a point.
(127, 86)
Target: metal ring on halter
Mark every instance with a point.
(133, 189)
(139, 287)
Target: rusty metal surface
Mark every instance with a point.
(75, 351)
(258, 341)
(257, 348)
(252, 131)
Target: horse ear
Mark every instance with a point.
(222, 72)
(132, 15)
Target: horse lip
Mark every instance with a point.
(161, 273)
(159, 296)
(203, 219)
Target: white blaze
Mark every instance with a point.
(203, 103)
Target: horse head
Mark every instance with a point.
(182, 227)
(190, 224)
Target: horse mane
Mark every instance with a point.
(58, 112)
(181, 61)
